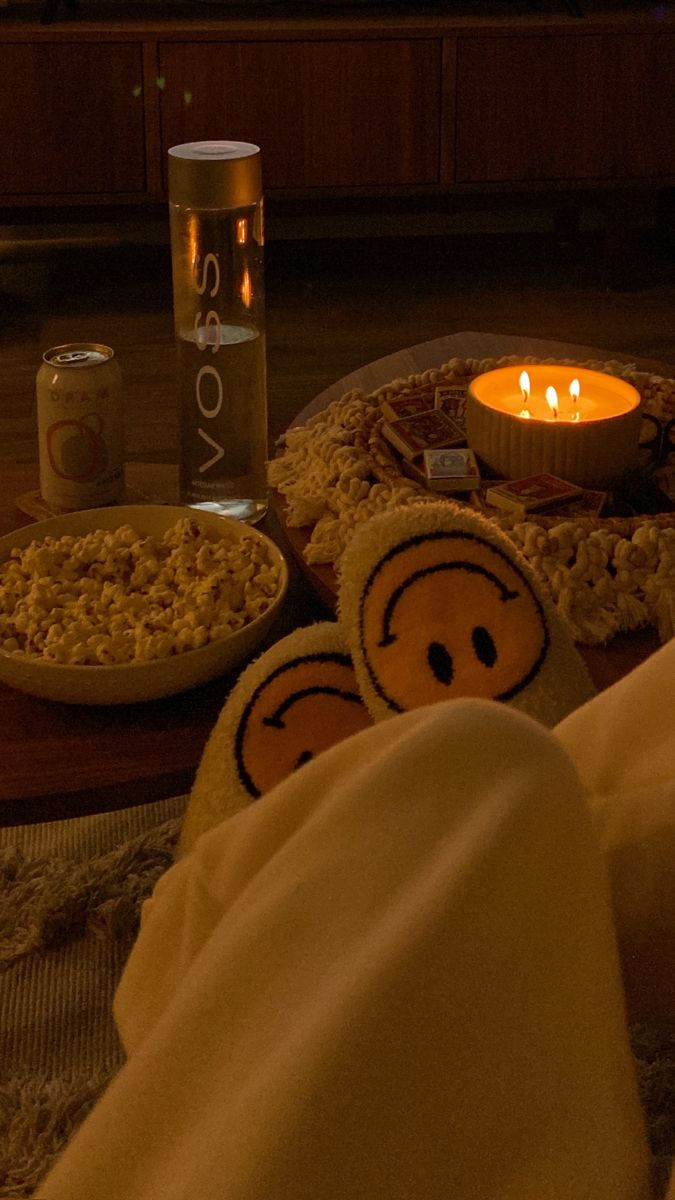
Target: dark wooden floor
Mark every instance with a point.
(333, 304)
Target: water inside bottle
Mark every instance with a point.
(223, 420)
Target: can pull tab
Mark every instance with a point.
(82, 355)
(73, 356)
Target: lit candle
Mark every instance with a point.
(575, 389)
(590, 439)
(525, 393)
(552, 401)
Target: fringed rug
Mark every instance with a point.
(70, 898)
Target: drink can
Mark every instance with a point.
(80, 427)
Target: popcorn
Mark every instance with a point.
(115, 596)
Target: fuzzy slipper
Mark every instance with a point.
(437, 603)
(298, 698)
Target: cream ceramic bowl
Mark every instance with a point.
(128, 683)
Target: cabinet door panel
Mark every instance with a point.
(562, 108)
(645, 108)
(73, 124)
(331, 114)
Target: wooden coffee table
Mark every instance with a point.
(61, 760)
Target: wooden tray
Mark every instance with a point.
(606, 663)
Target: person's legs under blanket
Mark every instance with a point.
(623, 745)
(394, 977)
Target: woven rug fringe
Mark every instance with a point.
(46, 902)
(37, 1117)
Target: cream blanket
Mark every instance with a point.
(396, 975)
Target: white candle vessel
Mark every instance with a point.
(578, 424)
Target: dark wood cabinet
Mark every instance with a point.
(327, 113)
(72, 119)
(342, 102)
(555, 108)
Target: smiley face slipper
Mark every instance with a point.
(297, 699)
(437, 603)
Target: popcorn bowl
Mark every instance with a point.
(135, 681)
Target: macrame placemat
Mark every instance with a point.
(606, 576)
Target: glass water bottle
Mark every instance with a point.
(216, 209)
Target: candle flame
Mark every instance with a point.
(574, 390)
(552, 400)
(525, 393)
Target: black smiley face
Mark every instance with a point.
(448, 614)
(300, 709)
